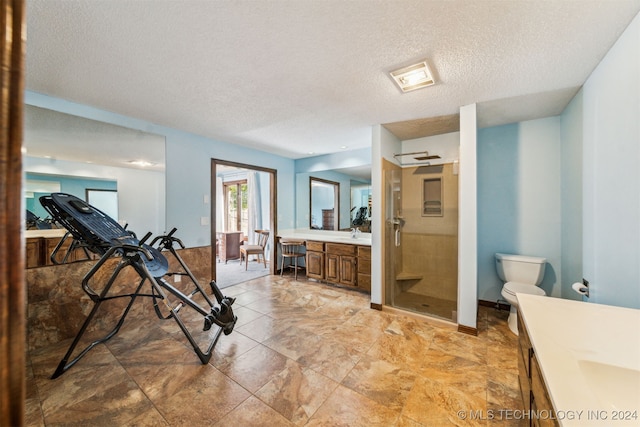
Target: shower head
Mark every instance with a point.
(419, 155)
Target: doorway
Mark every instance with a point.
(243, 200)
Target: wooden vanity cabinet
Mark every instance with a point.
(315, 260)
(364, 268)
(341, 264)
(35, 257)
(39, 250)
(535, 396)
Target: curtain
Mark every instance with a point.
(220, 217)
(254, 205)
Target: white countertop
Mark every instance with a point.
(364, 239)
(589, 355)
(54, 232)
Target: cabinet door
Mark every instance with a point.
(33, 252)
(50, 246)
(540, 400)
(348, 271)
(332, 269)
(315, 265)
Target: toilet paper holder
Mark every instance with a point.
(581, 288)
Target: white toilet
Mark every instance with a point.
(521, 274)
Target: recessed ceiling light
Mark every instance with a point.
(343, 147)
(413, 77)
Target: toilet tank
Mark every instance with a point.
(520, 268)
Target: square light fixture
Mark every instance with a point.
(413, 77)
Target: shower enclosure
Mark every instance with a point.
(421, 238)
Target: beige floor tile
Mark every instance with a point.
(381, 382)
(347, 408)
(255, 368)
(254, 413)
(204, 400)
(435, 403)
(302, 353)
(297, 392)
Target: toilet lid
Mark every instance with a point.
(522, 288)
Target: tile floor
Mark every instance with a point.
(424, 304)
(302, 353)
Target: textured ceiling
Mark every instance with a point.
(294, 76)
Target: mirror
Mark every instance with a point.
(101, 193)
(324, 204)
(354, 195)
(76, 154)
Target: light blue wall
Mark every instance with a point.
(519, 203)
(188, 169)
(611, 177)
(571, 195)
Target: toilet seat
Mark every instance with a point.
(512, 288)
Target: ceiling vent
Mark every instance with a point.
(413, 77)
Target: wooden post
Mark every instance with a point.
(12, 275)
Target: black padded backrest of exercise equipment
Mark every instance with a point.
(97, 230)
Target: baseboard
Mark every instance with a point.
(376, 306)
(468, 330)
(495, 304)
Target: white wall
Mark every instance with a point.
(384, 144)
(611, 178)
(468, 219)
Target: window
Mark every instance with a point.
(236, 206)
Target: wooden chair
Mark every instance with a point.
(291, 250)
(258, 250)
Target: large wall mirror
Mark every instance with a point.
(324, 204)
(118, 169)
(354, 198)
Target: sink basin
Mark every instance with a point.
(614, 386)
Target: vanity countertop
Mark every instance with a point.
(54, 232)
(364, 239)
(589, 356)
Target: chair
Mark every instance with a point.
(291, 250)
(258, 250)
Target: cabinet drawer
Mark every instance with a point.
(364, 252)
(364, 265)
(315, 246)
(338, 249)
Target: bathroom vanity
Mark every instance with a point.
(337, 257)
(579, 363)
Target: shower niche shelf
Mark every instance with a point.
(408, 276)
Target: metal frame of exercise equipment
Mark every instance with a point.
(100, 234)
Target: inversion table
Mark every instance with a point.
(102, 235)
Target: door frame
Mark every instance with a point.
(273, 179)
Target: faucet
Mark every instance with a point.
(355, 232)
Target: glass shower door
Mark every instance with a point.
(421, 239)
